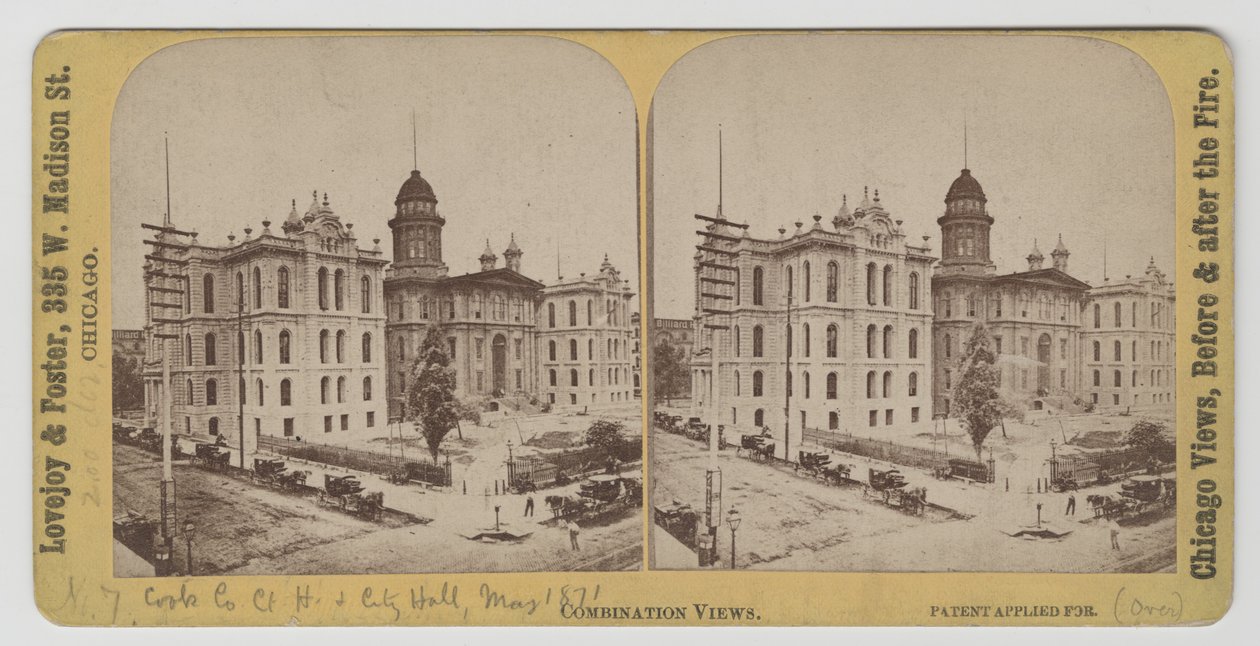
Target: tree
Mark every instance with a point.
(976, 399)
(671, 375)
(128, 384)
(1151, 437)
(609, 436)
(431, 403)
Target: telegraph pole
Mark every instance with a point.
(787, 378)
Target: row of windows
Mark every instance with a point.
(211, 391)
(429, 308)
(833, 417)
(1046, 307)
(832, 344)
(615, 377)
(1117, 353)
(874, 285)
(832, 386)
(1157, 317)
(614, 349)
(283, 288)
(210, 349)
(1158, 378)
(1156, 398)
(612, 314)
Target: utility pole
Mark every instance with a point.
(787, 379)
(247, 283)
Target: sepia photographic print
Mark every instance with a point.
(375, 309)
(921, 287)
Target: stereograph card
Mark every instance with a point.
(633, 328)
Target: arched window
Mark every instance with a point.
(323, 347)
(212, 392)
(324, 385)
(805, 280)
(240, 348)
(805, 383)
(870, 385)
(259, 388)
(914, 384)
(258, 347)
(914, 290)
(949, 346)
(339, 289)
(257, 288)
(365, 294)
(551, 374)
(737, 384)
(914, 343)
(832, 385)
(551, 314)
(1135, 373)
(871, 270)
(214, 426)
(888, 295)
(211, 354)
(757, 383)
(341, 390)
(341, 346)
(551, 350)
(367, 389)
(240, 289)
(573, 377)
(833, 282)
(1097, 351)
(590, 312)
(1097, 316)
(1116, 379)
(871, 333)
(573, 350)
(787, 336)
(284, 346)
(188, 392)
(888, 341)
(572, 313)
(282, 288)
(1116, 316)
(738, 287)
(759, 417)
(402, 349)
(1133, 314)
(736, 340)
(321, 282)
(758, 283)
(590, 349)
(757, 341)
(286, 392)
(888, 383)
(590, 377)
(1098, 377)
(366, 351)
(207, 294)
(1117, 350)
(833, 341)
(805, 340)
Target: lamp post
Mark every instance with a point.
(188, 538)
(732, 520)
(496, 518)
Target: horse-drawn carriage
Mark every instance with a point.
(759, 447)
(346, 493)
(211, 456)
(889, 487)
(149, 439)
(124, 434)
(679, 519)
(1138, 495)
(273, 472)
(600, 488)
(818, 464)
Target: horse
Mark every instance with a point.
(562, 505)
(1104, 506)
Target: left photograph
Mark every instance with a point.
(375, 309)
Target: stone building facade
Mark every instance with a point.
(1034, 316)
(1128, 340)
(820, 328)
(289, 323)
(586, 340)
(499, 323)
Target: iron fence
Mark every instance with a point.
(360, 460)
(1107, 466)
(909, 456)
(545, 469)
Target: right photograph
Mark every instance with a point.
(911, 306)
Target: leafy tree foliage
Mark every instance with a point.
(1151, 437)
(671, 376)
(976, 399)
(128, 384)
(609, 436)
(431, 403)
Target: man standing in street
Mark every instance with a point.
(1115, 537)
(1071, 506)
(573, 534)
(529, 505)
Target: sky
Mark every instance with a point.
(516, 134)
(1066, 135)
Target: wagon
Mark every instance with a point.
(600, 488)
(759, 447)
(211, 456)
(346, 493)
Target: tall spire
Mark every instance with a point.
(166, 219)
(415, 155)
(719, 208)
(965, 139)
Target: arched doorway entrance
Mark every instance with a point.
(1043, 370)
(498, 358)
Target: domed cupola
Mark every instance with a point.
(415, 189)
(965, 227)
(417, 228)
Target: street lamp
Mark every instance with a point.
(732, 520)
(496, 518)
(188, 538)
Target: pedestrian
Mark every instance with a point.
(1071, 507)
(1115, 537)
(529, 505)
(573, 534)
